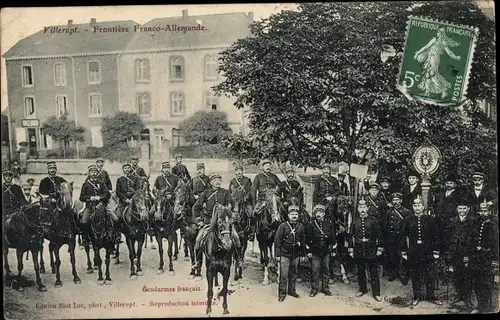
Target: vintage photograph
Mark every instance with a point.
(281, 159)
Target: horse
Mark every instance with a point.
(269, 218)
(165, 224)
(134, 227)
(60, 228)
(218, 249)
(242, 224)
(79, 208)
(23, 232)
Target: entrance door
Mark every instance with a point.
(32, 138)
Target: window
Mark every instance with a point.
(211, 101)
(96, 137)
(177, 103)
(45, 140)
(29, 107)
(95, 104)
(211, 68)
(61, 105)
(177, 68)
(27, 74)
(143, 103)
(177, 138)
(94, 72)
(60, 74)
(142, 70)
(159, 136)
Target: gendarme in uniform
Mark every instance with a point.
(264, 180)
(12, 195)
(181, 170)
(199, 183)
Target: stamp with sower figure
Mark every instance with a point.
(436, 61)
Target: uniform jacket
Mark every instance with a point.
(487, 193)
(393, 226)
(409, 196)
(423, 237)
(210, 197)
(181, 171)
(199, 184)
(291, 188)
(324, 187)
(50, 186)
(260, 182)
(12, 198)
(445, 207)
(289, 240)
(168, 182)
(245, 184)
(126, 186)
(320, 237)
(386, 194)
(377, 207)
(103, 176)
(94, 188)
(367, 237)
(138, 171)
(483, 245)
(458, 237)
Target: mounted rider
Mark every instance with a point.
(12, 195)
(27, 193)
(204, 209)
(135, 169)
(49, 186)
(126, 187)
(165, 183)
(291, 188)
(102, 175)
(181, 170)
(95, 195)
(200, 183)
(326, 191)
(245, 185)
(262, 181)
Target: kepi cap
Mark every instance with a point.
(384, 179)
(238, 166)
(326, 165)
(26, 186)
(200, 166)
(7, 173)
(99, 160)
(397, 195)
(319, 207)
(178, 155)
(126, 165)
(92, 167)
(477, 174)
(264, 162)
(215, 176)
(289, 169)
(293, 208)
(134, 158)
(374, 185)
(165, 164)
(51, 164)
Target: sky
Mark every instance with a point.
(19, 23)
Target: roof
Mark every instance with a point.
(222, 30)
(84, 42)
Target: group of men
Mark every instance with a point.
(390, 226)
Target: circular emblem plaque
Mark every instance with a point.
(427, 159)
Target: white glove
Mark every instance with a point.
(127, 200)
(404, 256)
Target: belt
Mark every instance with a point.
(482, 249)
(419, 242)
(364, 240)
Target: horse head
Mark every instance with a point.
(181, 198)
(273, 204)
(65, 195)
(224, 224)
(138, 204)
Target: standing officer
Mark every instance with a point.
(135, 169)
(49, 186)
(181, 170)
(289, 244)
(377, 207)
(367, 248)
(102, 175)
(326, 191)
(457, 238)
(484, 242)
(12, 195)
(386, 189)
(244, 185)
(320, 243)
(393, 228)
(199, 183)
(290, 188)
(263, 181)
(446, 203)
(422, 247)
(126, 186)
(480, 192)
(412, 190)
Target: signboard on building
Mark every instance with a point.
(30, 123)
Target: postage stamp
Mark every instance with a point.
(436, 61)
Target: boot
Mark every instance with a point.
(85, 229)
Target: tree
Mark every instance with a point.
(63, 131)
(206, 127)
(318, 90)
(120, 127)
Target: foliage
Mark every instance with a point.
(120, 127)
(203, 151)
(63, 131)
(318, 90)
(93, 152)
(206, 127)
(5, 128)
(120, 153)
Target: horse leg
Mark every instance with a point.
(98, 263)
(139, 254)
(8, 272)
(171, 243)
(176, 247)
(225, 280)
(152, 243)
(89, 264)
(41, 287)
(51, 256)
(19, 254)
(42, 263)
(210, 293)
(117, 256)
(107, 260)
(55, 249)
(199, 263)
(159, 239)
(131, 256)
(72, 247)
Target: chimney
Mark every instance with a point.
(250, 16)
(93, 21)
(184, 13)
(70, 22)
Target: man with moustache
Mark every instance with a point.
(368, 246)
(135, 169)
(320, 244)
(479, 192)
(482, 252)
(289, 244)
(457, 239)
(446, 201)
(12, 195)
(421, 249)
(243, 184)
(181, 170)
(412, 190)
(326, 191)
(377, 207)
(393, 228)
(164, 186)
(386, 189)
(27, 193)
(49, 186)
(199, 183)
(126, 187)
(263, 181)
(290, 188)
(102, 175)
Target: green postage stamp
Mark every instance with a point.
(436, 62)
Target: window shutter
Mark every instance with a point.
(146, 70)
